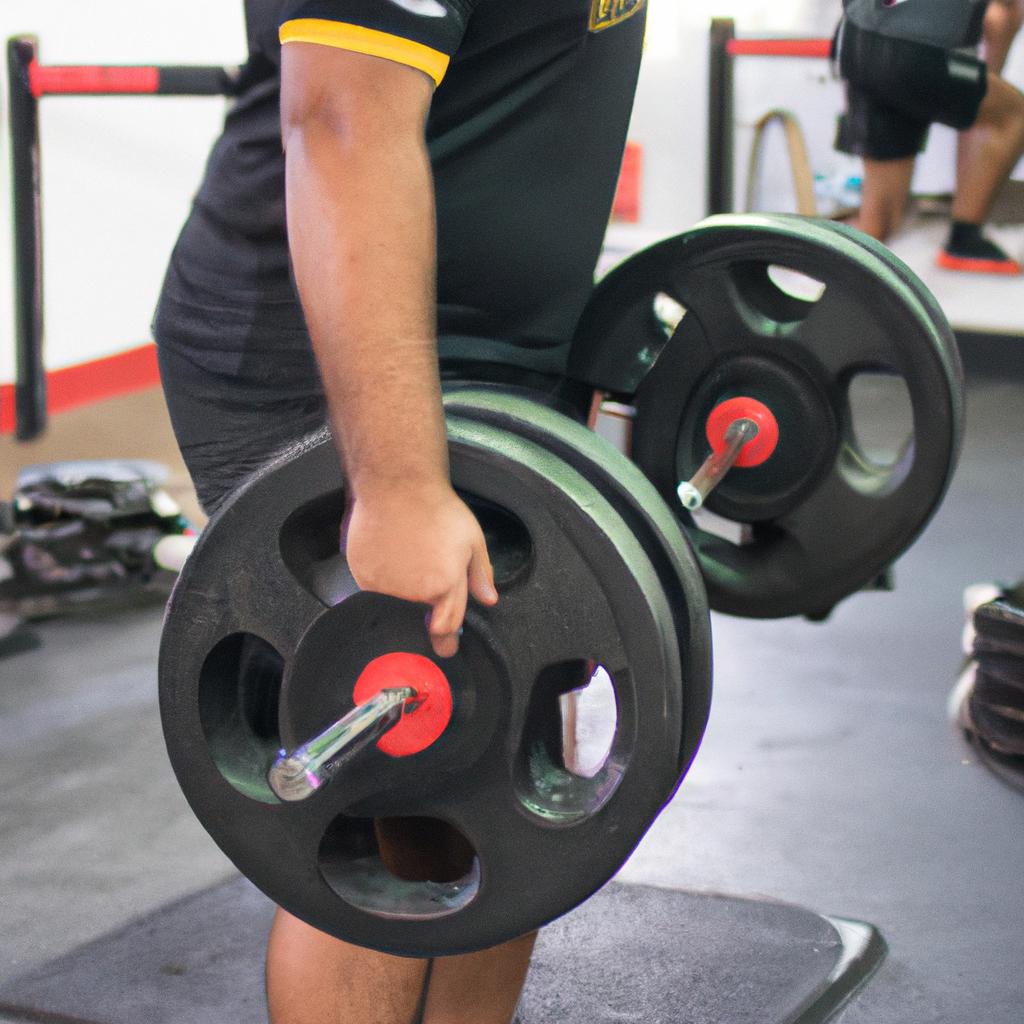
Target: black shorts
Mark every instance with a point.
(259, 400)
(896, 89)
(227, 429)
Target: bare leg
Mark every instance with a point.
(479, 988)
(312, 977)
(1003, 19)
(884, 195)
(996, 145)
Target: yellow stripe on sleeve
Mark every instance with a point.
(369, 41)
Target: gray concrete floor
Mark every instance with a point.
(95, 829)
(829, 777)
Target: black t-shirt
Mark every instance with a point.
(526, 132)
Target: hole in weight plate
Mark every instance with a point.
(239, 688)
(878, 437)
(795, 284)
(560, 779)
(310, 540)
(412, 867)
(668, 312)
(590, 717)
(508, 540)
(771, 292)
(614, 422)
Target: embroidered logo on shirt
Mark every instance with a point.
(605, 13)
(424, 8)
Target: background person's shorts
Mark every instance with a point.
(897, 88)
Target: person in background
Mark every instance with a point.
(908, 64)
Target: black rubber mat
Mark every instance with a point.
(630, 953)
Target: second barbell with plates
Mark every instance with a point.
(801, 318)
(310, 724)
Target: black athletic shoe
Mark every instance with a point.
(967, 249)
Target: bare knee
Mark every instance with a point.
(1002, 108)
(1003, 20)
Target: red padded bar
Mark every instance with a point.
(778, 47)
(73, 386)
(49, 81)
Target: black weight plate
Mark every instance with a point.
(265, 634)
(932, 310)
(931, 315)
(824, 520)
(633, 496)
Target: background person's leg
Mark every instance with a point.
(999, 137)
(987, 155)
(884, 194)
(1002, 23)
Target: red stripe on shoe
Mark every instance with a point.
(977, 266)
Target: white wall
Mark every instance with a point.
(670, 116)
(118, 173)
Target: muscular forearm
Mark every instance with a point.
(361, 231)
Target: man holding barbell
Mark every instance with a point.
(448, 170)
(908, 64)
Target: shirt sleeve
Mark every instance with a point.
(423, 34)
